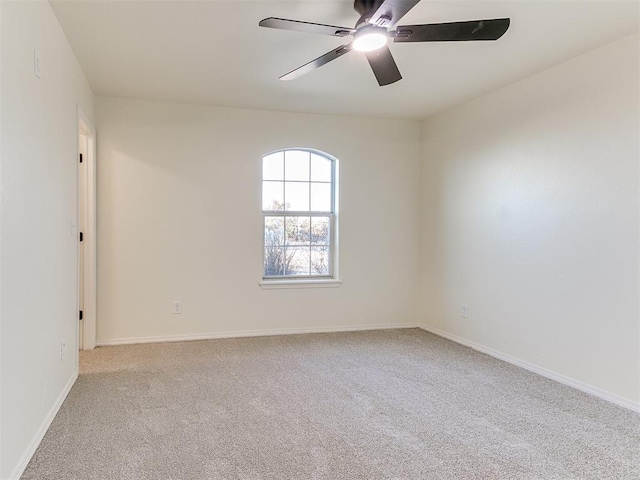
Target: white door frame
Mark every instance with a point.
(86, 129)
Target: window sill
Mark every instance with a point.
(307, 283)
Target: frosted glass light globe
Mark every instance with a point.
(369, 42)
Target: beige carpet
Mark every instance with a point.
(395, 404)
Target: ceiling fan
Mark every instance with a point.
(374, 28)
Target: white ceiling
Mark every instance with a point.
(213, 52)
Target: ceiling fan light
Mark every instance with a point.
(369, 42)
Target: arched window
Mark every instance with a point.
(299, 212)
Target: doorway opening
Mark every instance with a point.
(86, 233)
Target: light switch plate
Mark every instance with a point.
(37, 68)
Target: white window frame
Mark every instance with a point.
(306, 281)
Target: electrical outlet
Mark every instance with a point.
(63, 347)
(465, 311)
(177, 307)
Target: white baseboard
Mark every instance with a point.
(37, 438)
(558, 377)
(251, 333)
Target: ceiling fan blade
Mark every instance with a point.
(306, 27)
(317, 63)
(391, 11)
(453, 32)
(384, 66)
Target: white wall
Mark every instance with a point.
(1, 157)
(179, 218)
(38, 251)
(530, 217)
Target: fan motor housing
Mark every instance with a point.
(364, 7)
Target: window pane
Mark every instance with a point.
(320, 231)
(273, 231)
(320, 169)
(274, 261)
(321, 197)
(297, 196)
(296, 165)
(272, 196)
(297, 261)
(273, 166)
(297, 230)
(319, 260)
